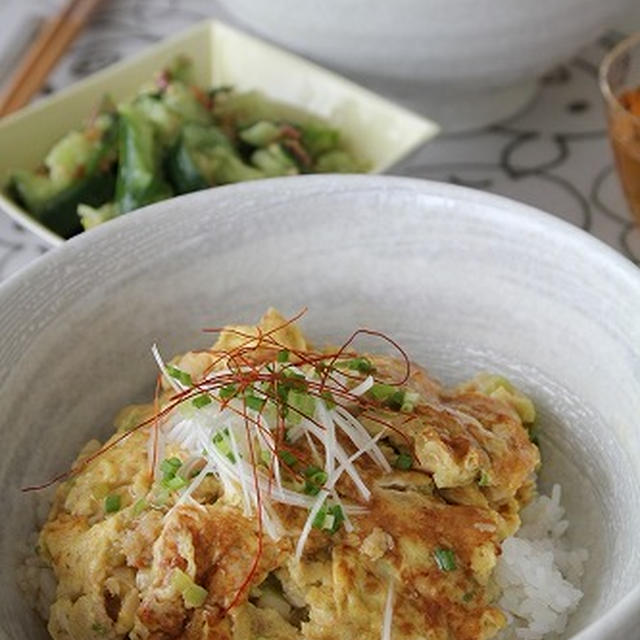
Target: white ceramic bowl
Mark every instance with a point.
(464, 280)
(464, 62)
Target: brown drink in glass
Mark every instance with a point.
(620, 84)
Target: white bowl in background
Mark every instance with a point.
(464, 62)
(464, 280)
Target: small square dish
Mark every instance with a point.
(378, 131)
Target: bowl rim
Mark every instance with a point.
(335, 183)
(506, 210)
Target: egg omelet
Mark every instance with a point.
(275, 492)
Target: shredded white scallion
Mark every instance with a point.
(244, 430)
(363, 387)
(360, 437)
(388, 613)
(241, 476)
(328, 437)
(355, 456)
(160, 362)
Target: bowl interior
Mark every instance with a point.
(464, 280)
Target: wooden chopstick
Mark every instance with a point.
(53, 39)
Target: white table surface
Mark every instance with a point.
(554, 155)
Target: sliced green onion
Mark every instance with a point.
(445, 559)
(112, 503)
(283, 355)
(403, 461)
(193, 594)
(221, 440)
(396, 400)
(329, 518)
(180, 580)
(175, 484)
(319, 478)
(315, 480)
(287, 457)
(381, 392)
(201, 401)
(311, 470)
(338, 517)
(310, 489)
(485, 479)
(179, 375)
(254, 403)
(169, 467)
(294, 380)
(228, 391)
(391, 396)
(302, 403)
(139, 506)
(220, 436)
(409, 402)
(327, 396)
(361, 364)
(318, 521)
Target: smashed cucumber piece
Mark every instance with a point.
(57, 208)
(223, 166)
(261, 133)
(337, 161)
(73, 155)
(166, 122)
(183, 172)
(318, 139)
(67, 156)
(140, 180)
(53, 198)
(205, 157)
(173, 137)
(181, 99)
(201, 138)
(91, 217)
(274, 161)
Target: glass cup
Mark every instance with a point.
(620, 86)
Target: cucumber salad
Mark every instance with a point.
(173, 137)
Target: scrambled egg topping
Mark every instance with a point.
(131, 563)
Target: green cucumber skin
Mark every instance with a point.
(183, 172)
(140, 180)
(59, 213)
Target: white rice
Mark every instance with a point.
(34, 576)
(538, 574)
